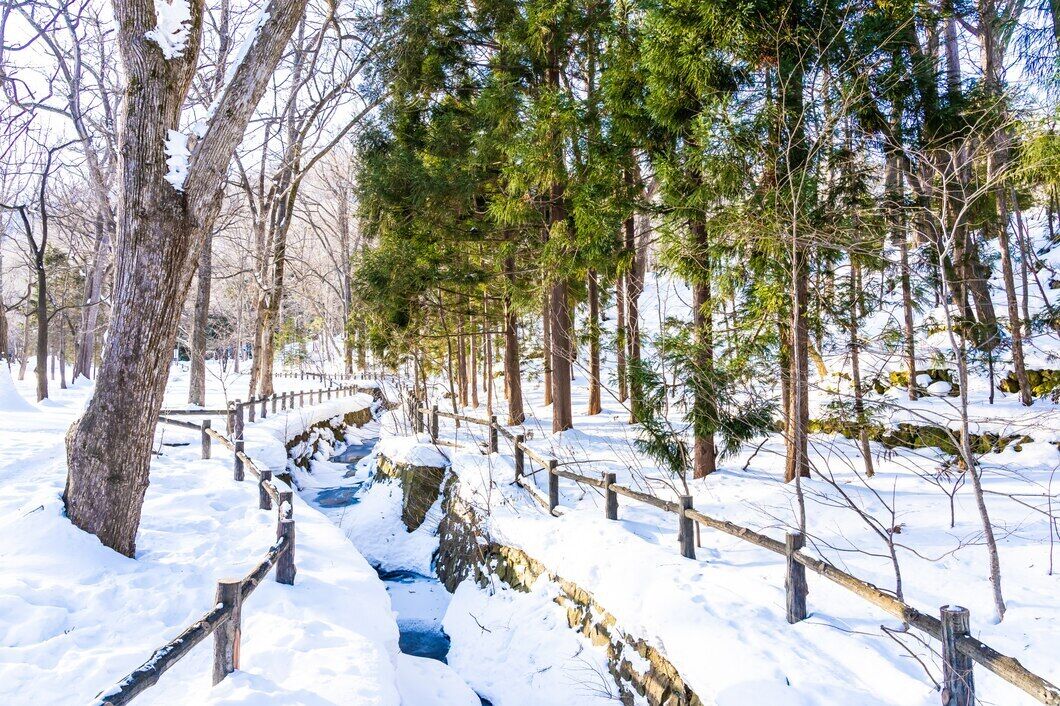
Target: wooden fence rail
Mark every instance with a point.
(223, 620)
(951, 628)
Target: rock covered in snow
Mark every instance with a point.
(939, 388)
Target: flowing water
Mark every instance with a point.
(420, 601)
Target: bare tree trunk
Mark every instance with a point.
(160, 231)
(704, 456)
(86, 347)
(461, 360)
(560, 326)
(634, 285)
(1015, 325)
(546, 327)
(797, 436)
(473, 364)
(512, 383)
(42, 327)
(855, 368)
(200, 321)
(594, 344)
(620, 340)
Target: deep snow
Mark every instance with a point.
(75, 617)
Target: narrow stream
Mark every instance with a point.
(420, 601)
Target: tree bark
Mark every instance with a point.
(855, 368)
(86, 346)
(620, 340)
(512, 383)
(705, 412)
(634, 285)
(199, 323)
(594, 344)
(546, 343)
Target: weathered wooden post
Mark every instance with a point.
(283, 401)
(301, 398)
(611, 497)
(795, 580)
(285, 568)
(686, 534)
(264, 499)
(493, 433)
(251, 410)
(958, 684)
(205, 439)
(237, 437)
(434, 422)
(264, 411)
(553, 486)
(284, 505)
(274, 403)
(329, 394)
(226, 635)
(520, 457)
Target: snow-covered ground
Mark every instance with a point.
(720, 618)
(513, 648)
(75, 617)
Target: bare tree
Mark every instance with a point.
(170, 188)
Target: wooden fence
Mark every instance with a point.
(952, 628)
(223, 620)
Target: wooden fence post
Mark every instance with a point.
(301, 398)
(226, 635)
(237, 437)
(285, 506)
(251, 408)
(493, 433)
(274, 403)
(205, 438)
(285, 568)
(264, 499)
(795, 580)
(283, 401)
(520, 457)
(553, 485)
(958, 684)
(686, 533)
(434, 422)
(611, 497)
(264, 411)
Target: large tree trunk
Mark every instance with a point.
(199, 322)
(705, 411)
(159, 234)
(560, 320)
(594, 344)
(512, 382)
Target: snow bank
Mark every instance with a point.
(76, 617)
(516, 649)
(413, 451)
(10, 399)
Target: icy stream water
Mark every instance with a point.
(420, 601)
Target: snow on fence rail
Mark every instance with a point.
(224, 618)
(959, 648)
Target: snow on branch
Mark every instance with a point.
(177, 154)
(172, 24)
